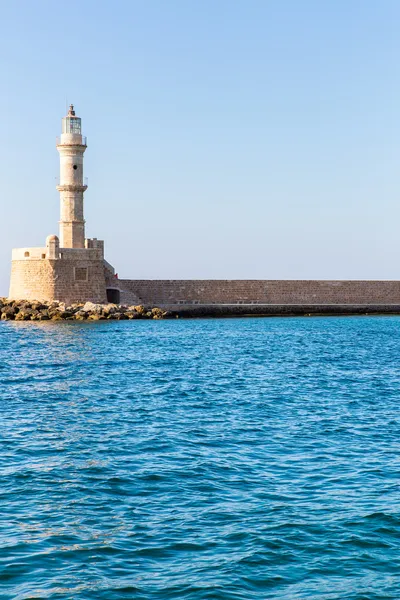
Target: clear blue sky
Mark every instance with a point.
(226, 138)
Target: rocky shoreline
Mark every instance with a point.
(25, 310)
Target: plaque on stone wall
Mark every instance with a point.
(81, 274)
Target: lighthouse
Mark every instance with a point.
(69, 267)
(71, 146)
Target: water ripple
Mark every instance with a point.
(201, 459)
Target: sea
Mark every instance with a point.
(221, 459)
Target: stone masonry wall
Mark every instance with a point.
(32, 279)
(45, 279)
(68, 289)
(272, 292)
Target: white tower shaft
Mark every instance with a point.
(71, 146)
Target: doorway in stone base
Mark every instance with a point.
(113, 295)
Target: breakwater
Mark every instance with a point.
(278, 310)
(27, 310)
(174, 293)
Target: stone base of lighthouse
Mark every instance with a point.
(62, 274)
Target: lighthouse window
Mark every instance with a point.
(75, 125)
(72, 125)
(75, 167)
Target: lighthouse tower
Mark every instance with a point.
(71, 146)
(69, 268)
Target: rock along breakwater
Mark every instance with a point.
(24, 310)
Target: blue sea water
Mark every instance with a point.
(200, 459)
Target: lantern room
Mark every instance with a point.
(71, 123)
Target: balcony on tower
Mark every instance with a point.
(71, 186)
